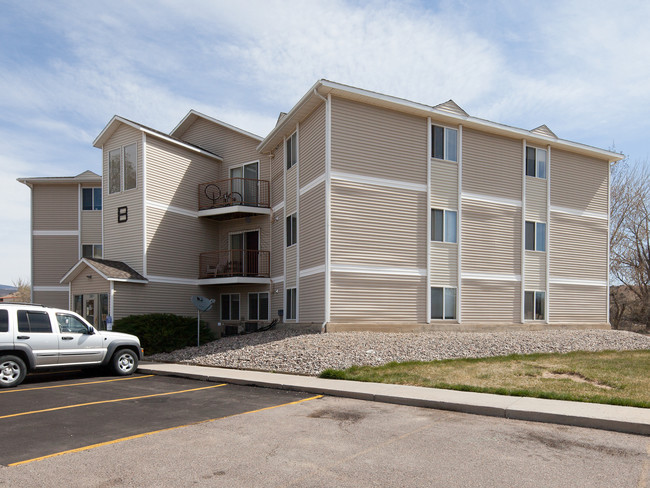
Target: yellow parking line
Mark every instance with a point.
(137, 436)
(108, 401)
(77, 384)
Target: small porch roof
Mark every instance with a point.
(107, 269)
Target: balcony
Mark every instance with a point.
(235, 266)
(234, 198)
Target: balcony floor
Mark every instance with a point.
(234, 212)
(234, 280)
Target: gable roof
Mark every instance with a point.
(445, 113)
(107, 269)
(85, 177)
(543, 129)
(115, 122)
(193, 115)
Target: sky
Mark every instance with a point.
(66, 67)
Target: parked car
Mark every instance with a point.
(34, 337)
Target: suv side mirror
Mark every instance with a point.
(91, 330)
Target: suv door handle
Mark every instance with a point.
(67, 338)
(22, 337)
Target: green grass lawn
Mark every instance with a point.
(613, 377)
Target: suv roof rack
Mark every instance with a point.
(22, 303)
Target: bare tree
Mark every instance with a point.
(24, 293)
(630, 242)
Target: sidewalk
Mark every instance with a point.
(596, 416)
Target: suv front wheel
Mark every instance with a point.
(12, 371)
(124, 362)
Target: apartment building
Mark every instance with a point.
(357, 211)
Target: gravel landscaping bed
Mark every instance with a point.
(294, 351)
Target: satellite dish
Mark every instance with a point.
(202, 304)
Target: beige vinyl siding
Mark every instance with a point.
(174, 174)
(378, 226)
(91, 227)
(312, 146)
(234, 147)
(56, 299)
(578, 247)
(491, 238)
(312, 228)
(487, 301)
(55, 207)
(578, 304)
(375, 299)
(311, 298)
(536, 196)
(492, 165)
(290, 278)
(444, 264)
(52, 257)
(578, 182)
(277, 299)
(291, 204)
(82, 285)
(277, 176)
(379, 143)
(174, 242)
(124, 241)
(444, 184)
(278, 244)
(535, 275)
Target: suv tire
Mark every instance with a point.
(124, 362)
(12, 371)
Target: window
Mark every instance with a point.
(535, 162)
(130, 166)
(258, 306)
(535, 236)
(33, 322)
(443, 225)
(230, 306)
(91, 251)
(444, 143)
(291, 150)
(534, 302)
(4, 321)
(70, 323)
(292, 298)
(443, 303)
(292, 229)
(91, 198)
(114, 171)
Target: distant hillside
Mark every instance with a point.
(7, 289)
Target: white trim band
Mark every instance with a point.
(579, 213)
(491, 199)
(491, 277)
(370, 180)
(74, 233)
(169, 208)
(277, 279)
(381, 270)
(172, 280)
(312, 184)
(312, 271)
(574, 281)
(51, 288)
(278, 207)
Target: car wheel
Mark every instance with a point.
(12, 371)
(124, 362)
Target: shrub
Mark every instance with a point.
(163, 332)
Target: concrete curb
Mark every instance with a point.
(592, 415)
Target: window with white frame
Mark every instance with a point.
(292, 299)
(115, 171)
(291, 150)
(535, 236)
(534, 302)
(91, 251)
(535, 162)
(444, 143)
(230, 306)
(91, 198)
(130, 166)
(444, 224)
(258, 306)
(443, 303)
(292, 229)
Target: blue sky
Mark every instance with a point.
(66, 67)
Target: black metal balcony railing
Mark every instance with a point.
(234, 191)
(236, 262)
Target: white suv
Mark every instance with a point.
(36, 337)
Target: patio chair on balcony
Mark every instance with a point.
(211, 271)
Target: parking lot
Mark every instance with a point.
(58, 412)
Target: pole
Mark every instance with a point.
(198, 327)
